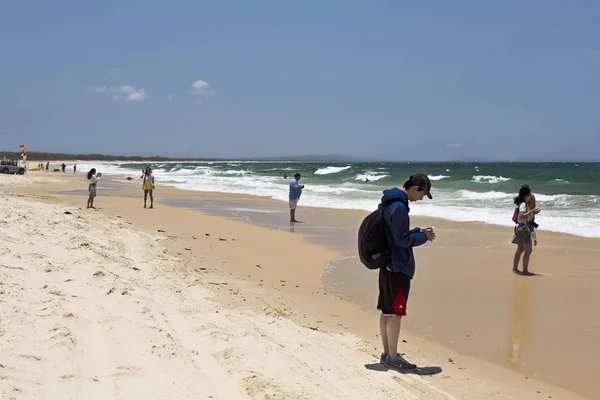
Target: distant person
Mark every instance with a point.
(523, 237)
(63, 166)
(284, 176)
(48, 166)
(295, 193)
(74, 168)
(395, 278)
(93, 178)
(148, 187)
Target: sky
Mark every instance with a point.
(397, 80)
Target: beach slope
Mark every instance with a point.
(95, 309)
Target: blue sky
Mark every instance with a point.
(445, 80)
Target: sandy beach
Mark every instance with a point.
(201, 299)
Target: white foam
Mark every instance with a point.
(575, 214)
(489, 179)
(331, 170)
(437, 177)
(369, 176)
(484, 195)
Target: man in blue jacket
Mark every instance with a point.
(394, 280)
(295, 193)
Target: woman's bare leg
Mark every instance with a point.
(528, 250)
(517, 258)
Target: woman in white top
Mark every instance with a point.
(522, 236)
(93, 178)
(148, 187)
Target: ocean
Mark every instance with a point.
(567, 193)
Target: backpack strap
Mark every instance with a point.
(384, 207)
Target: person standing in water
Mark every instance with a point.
(93, 178)
(148, 187)
(523, 236)
(295, 193)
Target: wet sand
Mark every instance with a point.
(464, 296)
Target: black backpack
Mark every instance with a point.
(373, 241)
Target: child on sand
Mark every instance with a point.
(148, 186)
(93, 178)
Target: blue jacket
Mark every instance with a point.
(401, 237)
(295, 191)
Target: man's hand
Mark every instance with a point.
(430, 234)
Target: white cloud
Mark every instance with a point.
(127, 92)
(114, 72)
(455, 145)
(200, 88)
(131, 94)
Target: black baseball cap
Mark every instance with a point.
(422, 181)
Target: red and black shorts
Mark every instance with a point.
(393, 292)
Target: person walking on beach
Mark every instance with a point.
(148, 186)
(63, 166)
(523, 237)
(74, 168)
(395, 278)
(93, 178)
(295, 193)
(47, 166)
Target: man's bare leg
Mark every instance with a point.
(393, 334)
(292, 215)
(383, 331)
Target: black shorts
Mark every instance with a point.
(393, 292)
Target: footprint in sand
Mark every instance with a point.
(31, 357)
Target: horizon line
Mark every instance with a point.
(330, 157)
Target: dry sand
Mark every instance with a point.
(118, 303)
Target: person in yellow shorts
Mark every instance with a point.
(148, 187)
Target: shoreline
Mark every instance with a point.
(355, 325)
(460, 198)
